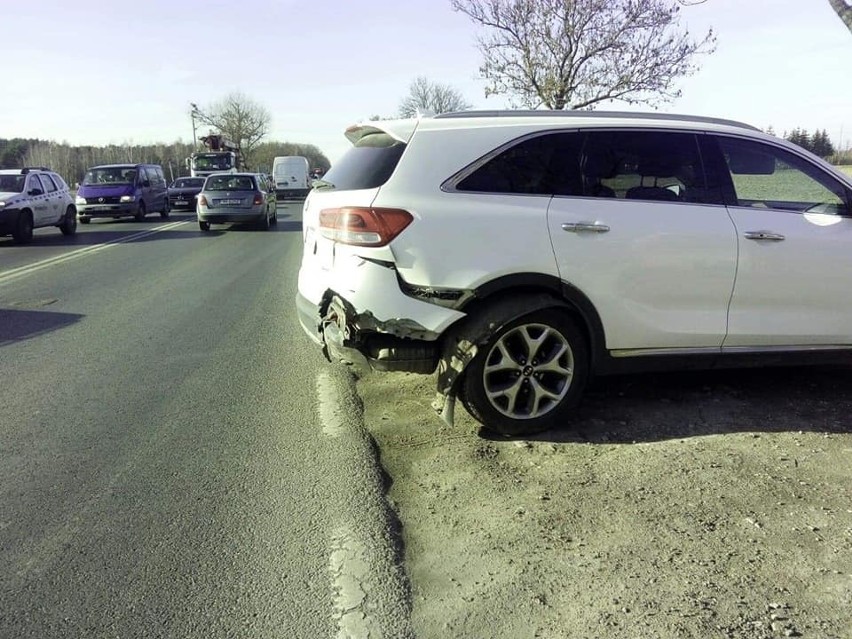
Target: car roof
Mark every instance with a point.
(25, 170)
(403, 129)
(123, 165)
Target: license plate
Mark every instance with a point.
(181, 202)
(229, 202)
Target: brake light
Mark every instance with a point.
(202, 200)
(363, 226)
(258, 198)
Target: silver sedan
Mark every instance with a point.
(235, 197)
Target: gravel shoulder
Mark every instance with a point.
(686, 505)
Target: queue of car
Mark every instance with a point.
(36, 197)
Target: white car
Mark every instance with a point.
(33, 197)
(519, 253)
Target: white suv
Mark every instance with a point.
(518, 253)
(33, 197)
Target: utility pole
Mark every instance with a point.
(192, 115)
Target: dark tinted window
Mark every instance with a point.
(366, 165)
(644, 165)
(542, 165)
(230, 182)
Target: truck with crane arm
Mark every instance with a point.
(220, 155)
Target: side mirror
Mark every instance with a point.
(34, 192)
(146, 183)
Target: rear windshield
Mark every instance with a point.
(366, 165)
(188, 183)
(229, 183)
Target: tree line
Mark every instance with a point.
(817, 143)
(72, 161)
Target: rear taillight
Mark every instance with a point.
(258, 199)
(202, 200)
(363, 226)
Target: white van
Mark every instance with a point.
(291, 176)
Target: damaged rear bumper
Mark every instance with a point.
(364, 342)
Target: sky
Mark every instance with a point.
(102, 71)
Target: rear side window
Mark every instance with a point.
(634, 165)
(643, 165)
(368, 164)
(49, 186)
(542, 165)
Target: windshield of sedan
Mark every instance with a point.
(217, 161)
(12, 183)
(188, 183)
(111, 175)
(229, 183)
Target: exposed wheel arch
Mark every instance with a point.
(536, 284)
(463, 340)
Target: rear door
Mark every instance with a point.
(53, 198)
(635, 227)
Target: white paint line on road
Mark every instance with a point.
(368, 585)
(350, 576)
(22, 271)
(330, 407)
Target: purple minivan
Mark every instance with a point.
(122, 190)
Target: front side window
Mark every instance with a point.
(765, 176)
(47, 182)
(34, 183)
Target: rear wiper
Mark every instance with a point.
(323, 184)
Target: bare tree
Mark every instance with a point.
(576, 53)
(433, 97)
(844, 10)
(238, 118)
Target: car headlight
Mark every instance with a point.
(2, 204)
(127, 198)
(79, 200)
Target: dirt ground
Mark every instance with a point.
(673, 506)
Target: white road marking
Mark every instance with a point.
(21, 271)
(350, 582)
(330, 408)
(365, 581)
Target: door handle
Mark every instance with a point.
(584, 227)
(763, 235)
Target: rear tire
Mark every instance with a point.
(204, 226)
(263, 223)
(529, 375)
(85, 220)
(140, 212)
(23, 231)
(69, 222)
(166, 209)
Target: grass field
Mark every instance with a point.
(846, 168)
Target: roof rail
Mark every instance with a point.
(27, 169)
(592, 114)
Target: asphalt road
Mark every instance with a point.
(177, 459)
